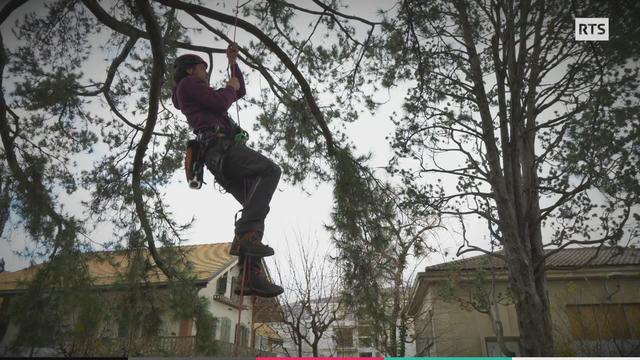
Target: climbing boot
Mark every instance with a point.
(257, 284)
(250, 244)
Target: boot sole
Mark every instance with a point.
(236, 252)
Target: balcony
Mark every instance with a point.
(234, 301)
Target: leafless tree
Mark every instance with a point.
(312, 301)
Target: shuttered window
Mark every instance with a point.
(221, 285)
(604, 321)
(225, 330)
(344, 337)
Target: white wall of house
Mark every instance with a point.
(226, 314)
(448, 328)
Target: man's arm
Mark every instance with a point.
(217, 101)
(235, 72)
(232, 56)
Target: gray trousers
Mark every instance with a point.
(249, 176)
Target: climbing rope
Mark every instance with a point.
(243, 280)
(246, 271)
(233, 72)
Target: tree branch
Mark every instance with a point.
(155, 88)
(132, 31)
(9, 8)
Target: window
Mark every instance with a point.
(424, 333)
(234, 284)
(493, 348)
(366, 354)
(225, 330)
(364, 335)
(221, 285)
(216, 322)
(604, 321)
(244, 336)
(344, 337)
(364, 341)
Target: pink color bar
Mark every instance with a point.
(312, 358)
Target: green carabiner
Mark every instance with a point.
(241, 138)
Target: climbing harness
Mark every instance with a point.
(196, 155)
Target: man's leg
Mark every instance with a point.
(258, 176)
(256, 282)
(251, 178)
(244, 183)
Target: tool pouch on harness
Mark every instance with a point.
(198, 152)
(239, 135)
(194, 164)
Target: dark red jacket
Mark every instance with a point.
(204, 106)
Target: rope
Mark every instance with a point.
(243, 280)
(235, 23)
(232, 68)
(246, 271)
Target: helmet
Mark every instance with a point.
(188, 60)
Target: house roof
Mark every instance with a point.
(104, 267)
(564, 259)
(266, 330)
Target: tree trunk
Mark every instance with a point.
(534, 322)
(515, 187)
(528, 286)
(403, 335)
(395, 310)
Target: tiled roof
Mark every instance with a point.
(565, 258)
(104, 267)
(265, 330)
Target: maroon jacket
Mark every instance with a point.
(204, 106)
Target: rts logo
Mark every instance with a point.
(592, 29)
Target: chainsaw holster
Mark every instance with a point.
(194, 163)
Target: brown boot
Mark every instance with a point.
(250, 244)
(257, 284)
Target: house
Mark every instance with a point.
(215, 274)
(594, 297)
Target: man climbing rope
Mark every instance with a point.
(248, 175)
